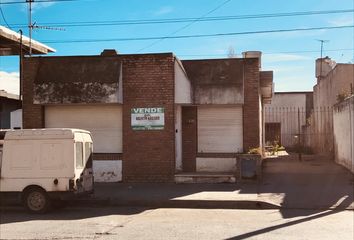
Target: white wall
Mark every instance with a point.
(216, 164)
(16, 119)
(107, 171)
(343, 126)
(183, 87)
(178, 137)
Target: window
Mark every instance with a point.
(79, 155)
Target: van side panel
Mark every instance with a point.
(37, 162)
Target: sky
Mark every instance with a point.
(291, 55)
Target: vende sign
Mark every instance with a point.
(148, 118)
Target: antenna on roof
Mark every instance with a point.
(32, 26)
(321, 62)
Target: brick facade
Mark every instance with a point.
(148, 81)
(33, 115)
(251, 107)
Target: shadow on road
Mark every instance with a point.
(313, 185)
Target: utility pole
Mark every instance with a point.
(21, 64)
(30, 25)
(322, 42)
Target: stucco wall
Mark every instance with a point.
(183, 86)
(343, 125)
(325, 94)
(337, 81)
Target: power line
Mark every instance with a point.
(181, 20)
(186, 26)
(3, 17)
(270, 53)
(193, 36)
(38, 1)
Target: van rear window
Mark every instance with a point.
(79, 155)
(88, 154)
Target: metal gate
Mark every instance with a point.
(300, 129)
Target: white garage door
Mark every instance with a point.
(220, 129)
(104, 122)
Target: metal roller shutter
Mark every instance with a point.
(220, 129)
(104, 122)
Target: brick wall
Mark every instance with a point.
(148, 81)
(251, 107)
(189, 138)
(33, 115)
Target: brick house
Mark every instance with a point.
(151, 115)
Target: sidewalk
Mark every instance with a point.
(286, 184)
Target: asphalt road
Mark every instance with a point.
(172, 223)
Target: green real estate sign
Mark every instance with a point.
(148, 118)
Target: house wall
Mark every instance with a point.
(158, 80)
(343, 125)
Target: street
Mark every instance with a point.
(173, 223)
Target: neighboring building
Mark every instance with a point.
(151, 115)
(8, 103)
(286, 116)
(334, 81)
(11, 41)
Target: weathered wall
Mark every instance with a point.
(148, 81)
(216, 81)
(337, 81)
(343, 125)
(213, 165)
(89, 79)
(107, 171)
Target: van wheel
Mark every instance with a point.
(36, 200)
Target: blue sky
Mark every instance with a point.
(282, 52)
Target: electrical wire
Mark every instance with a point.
(37, 1)
(3, 17)
(185, 26)
(268, 53)
(193, 36)
(181, 20)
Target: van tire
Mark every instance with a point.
(36, 200)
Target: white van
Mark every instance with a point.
(44, 165)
